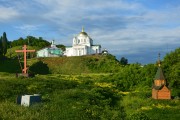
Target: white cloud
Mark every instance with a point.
(8, 14)
(27, 29)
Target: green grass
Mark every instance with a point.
(63, 97)
(80, 97)
(141, 102)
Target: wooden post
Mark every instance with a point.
(25, 60)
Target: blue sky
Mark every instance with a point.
(135, 29)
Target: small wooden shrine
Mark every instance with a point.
(25, 69)
(160, 89)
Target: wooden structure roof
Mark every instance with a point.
(159, 74)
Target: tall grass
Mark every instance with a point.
(80, 97)
(62, 98)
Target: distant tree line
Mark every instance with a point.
(3, 45)
(31, 41)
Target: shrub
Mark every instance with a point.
(39, 68)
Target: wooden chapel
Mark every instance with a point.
(160, 89)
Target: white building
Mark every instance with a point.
(51, 51)
(82, 45)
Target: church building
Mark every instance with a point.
(160, 89)
(82, 45)
(51, 51)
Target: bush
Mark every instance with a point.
(39, 68)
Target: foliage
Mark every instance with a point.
(1, 48)
(61, 46)
(13, 55)
(125, 78)
(171, 67)
(10, 66)
(39, 68)
(31, 41)
(4, 43)
(133, 77)
(102, 63)
(123, 61)
(139, 116)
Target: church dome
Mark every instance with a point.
(82, 32)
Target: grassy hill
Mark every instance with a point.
(83, 64)
(63, 65)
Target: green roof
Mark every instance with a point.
(159, 74)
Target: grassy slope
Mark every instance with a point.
(65, 65)
(78, 65)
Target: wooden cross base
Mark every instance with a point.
(24, 75)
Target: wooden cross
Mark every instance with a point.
(25, 60)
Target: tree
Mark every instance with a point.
(1, 47)
(61, 46)
(31, 41)
(171, 68)
(123, 61)
(4, 43)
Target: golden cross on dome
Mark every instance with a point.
(82, 28)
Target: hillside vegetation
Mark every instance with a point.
(92, 87)
(12, 54)
(80, 64)
(81, 97)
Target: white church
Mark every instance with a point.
(82, 45)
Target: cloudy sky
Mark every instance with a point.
(135, 29)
